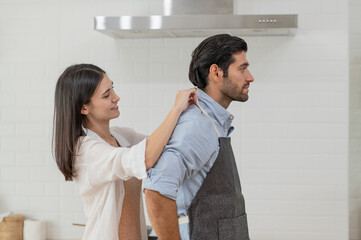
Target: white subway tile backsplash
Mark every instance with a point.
(306, 7)
(294, 177)
(68, 189)
(8, 189)
(66, 219)
(300, 235)
(30, 189)
(326, 21)
(290, 193)
(30, 159)
(7, 99)
(173, 70)
(141, 71)
(333, 6)
(15, 144)
(300, 115)
(45, 204)
(7, 158)
(141, 8)
(40, 143)
(15, 174)
(246, 7)
(9, 114)
(52, 189)
(18, 204)
(45, 174)
(41, 114)
(295, 130)
(11, 54)
(70, 204)
(134, 54)
(30, 129)
(7, 129)
(296, 208)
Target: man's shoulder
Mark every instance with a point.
(191, 113)
(194, 115)
(193, 124)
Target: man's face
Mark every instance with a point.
(236, 85)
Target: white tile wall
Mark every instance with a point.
(291, 137)
(355, 120)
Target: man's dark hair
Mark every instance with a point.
(217, 49)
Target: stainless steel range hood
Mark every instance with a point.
(190, 18)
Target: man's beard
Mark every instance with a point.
(233, 92)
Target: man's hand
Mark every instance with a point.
(162, 213)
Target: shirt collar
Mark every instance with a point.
(221, 114)
(92, 134)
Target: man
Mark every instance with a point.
(194, 192)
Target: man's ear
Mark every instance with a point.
(215, 73)
(84, 110)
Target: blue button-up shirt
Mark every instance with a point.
(189, 154)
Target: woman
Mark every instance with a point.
(104, 160)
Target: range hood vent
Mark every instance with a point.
(201, 18)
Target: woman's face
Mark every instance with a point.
(103, 104)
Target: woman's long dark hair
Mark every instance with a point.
(74, 88)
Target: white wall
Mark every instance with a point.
(355, 120)
(294, 129)
(291, 137)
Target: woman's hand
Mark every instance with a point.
(185, 98)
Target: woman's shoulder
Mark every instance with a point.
(86, 139)
(84, 142)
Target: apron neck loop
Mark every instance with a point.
(215, 128)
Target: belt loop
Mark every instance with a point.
(183, 220)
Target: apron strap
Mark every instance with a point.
(215, 128)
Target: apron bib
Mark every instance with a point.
(218, 209)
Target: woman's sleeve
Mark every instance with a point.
(106, 163)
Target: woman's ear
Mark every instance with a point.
(84, 110)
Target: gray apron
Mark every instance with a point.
(218, 209)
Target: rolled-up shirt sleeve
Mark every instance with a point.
(185, 154)
(106, 163)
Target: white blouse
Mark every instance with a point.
(100, 170)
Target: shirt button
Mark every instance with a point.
(231, 117)
(225, 130)
(222, 121)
